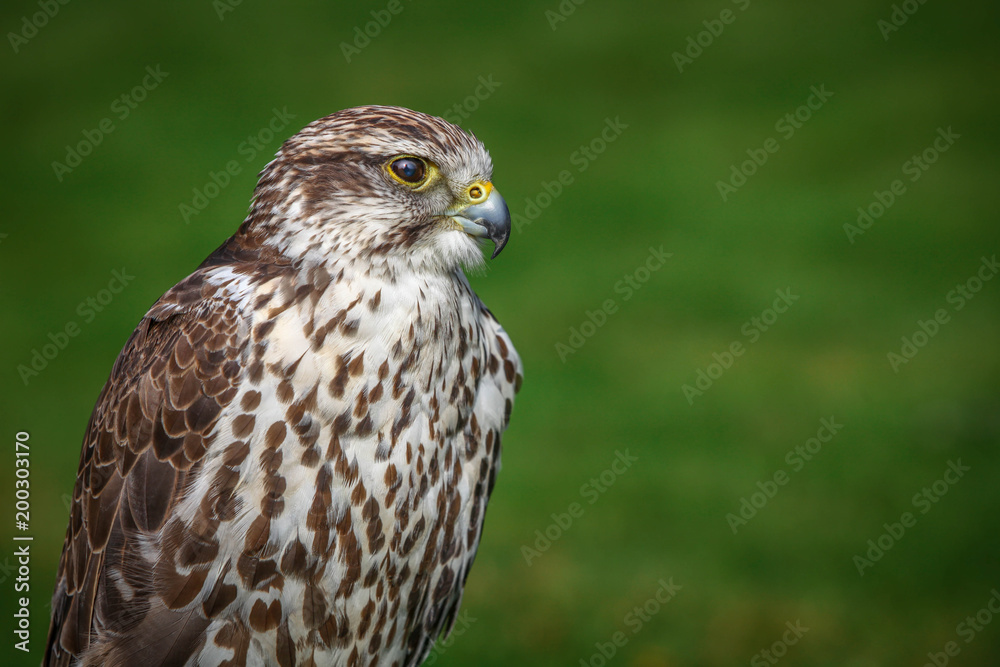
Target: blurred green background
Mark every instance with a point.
(553, 86)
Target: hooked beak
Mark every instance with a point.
(488, 219)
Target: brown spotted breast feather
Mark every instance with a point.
(291, 459)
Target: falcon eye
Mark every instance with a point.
(408, 169)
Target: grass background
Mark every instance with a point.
(655, 185)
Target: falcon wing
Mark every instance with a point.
(151, 426)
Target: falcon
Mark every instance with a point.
(291, 460)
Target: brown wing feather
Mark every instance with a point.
(149, 430)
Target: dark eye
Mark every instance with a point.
(409, 169)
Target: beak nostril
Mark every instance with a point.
(488, 217)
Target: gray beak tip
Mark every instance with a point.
(498, 246)
(494, 216)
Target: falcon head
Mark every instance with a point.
(379, 182)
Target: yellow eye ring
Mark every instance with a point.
(409, 170)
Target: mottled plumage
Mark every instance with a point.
(291, 460)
